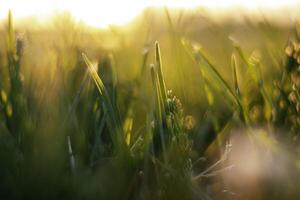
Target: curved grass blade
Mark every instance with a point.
(112, 115)
(128, 122)
(243, 112)
(253, 66)
(210, 73)
(234, 76)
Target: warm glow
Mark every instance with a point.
(102, 13)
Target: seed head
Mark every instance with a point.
(20, 44)
(289, 50)
(293, 96)
(295, 76)
(282, 104)
(298, 107)
(189, 122)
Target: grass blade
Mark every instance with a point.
(113, 119)
(161, 81)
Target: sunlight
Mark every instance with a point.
(102, 14)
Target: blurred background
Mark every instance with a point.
(240, 147)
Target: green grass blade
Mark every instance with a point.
(210, 72)
(128, 121)
(157, 93)
(94, 75)
(159, 111)
(253, 66)
(113, 120)
(237, 90)
(234, 75)
(161, 81)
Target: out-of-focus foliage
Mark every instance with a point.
(114, 114)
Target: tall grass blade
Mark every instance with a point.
(161, 81)
(128, 122)
(112, 115)
(71, 155)
(243, 111)
(212, 75)
(159, 114)
(253, 67)
(234, 76)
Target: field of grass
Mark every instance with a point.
(172, 106)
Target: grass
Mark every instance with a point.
(80, 128)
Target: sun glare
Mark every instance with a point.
(103, 13)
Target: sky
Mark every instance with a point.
(101, 13)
